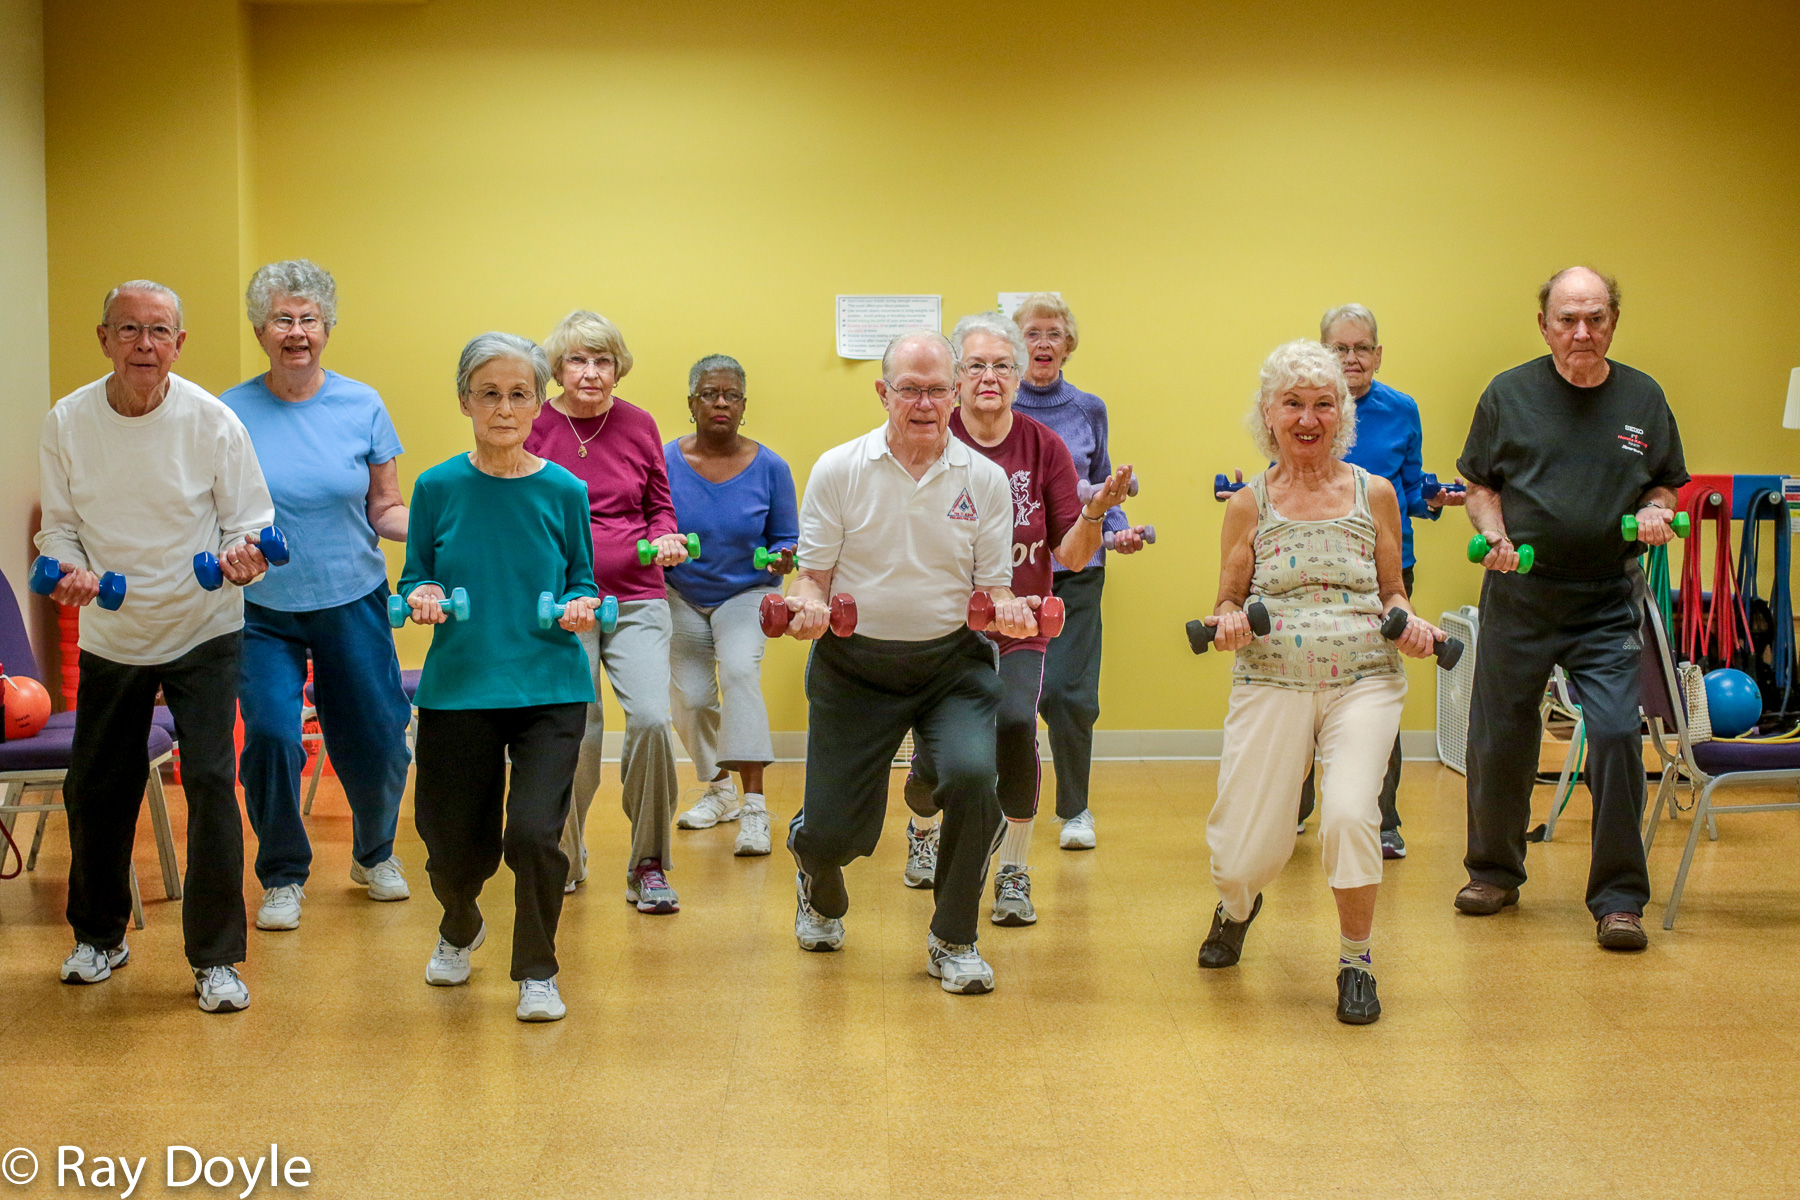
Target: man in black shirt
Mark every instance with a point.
(1559, 450)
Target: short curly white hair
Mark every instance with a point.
(1301, 363)
(994, 325)
(300, 278)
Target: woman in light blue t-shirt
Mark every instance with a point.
(739, 497)
(328, 451)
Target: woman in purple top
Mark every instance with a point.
(1071, 697)
(614, 447)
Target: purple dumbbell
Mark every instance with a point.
(1085, 491)
(1149, 532)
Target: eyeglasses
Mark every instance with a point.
(709, 395)
(491, 397)
(285, 324)
(582, 362)
(1001, 370)
(1360, 350)
(1046, 335)
(912, 395)
(129, 331)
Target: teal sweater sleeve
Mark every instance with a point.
(505, 542)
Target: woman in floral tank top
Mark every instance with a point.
(1317, 542)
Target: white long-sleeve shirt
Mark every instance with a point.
(142, 496)
(910, 552)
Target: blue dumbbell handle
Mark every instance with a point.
(47, 573)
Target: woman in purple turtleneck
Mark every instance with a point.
(1070, 701)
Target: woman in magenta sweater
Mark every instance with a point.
(614, 448)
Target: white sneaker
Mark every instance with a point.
(540, 1001)
(960, 968)
(1012, 897)
(221, 989)
(1078, 831)
(385, 880)
(813, 931)
(753, 830)
(449, 964)
(720, 803)
(921, 856)
(90, 964)
(571, 885)
(280, 907)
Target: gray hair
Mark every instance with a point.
(1301, 363)
(1349, 312)
(995, 325)
(300, 278)
(488, 347)
(1612, 287)
(716, 362)
(141, 285)
(913, 335)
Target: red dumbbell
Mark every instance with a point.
(1050, 613)
(776, 614)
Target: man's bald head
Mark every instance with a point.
(1578, 282)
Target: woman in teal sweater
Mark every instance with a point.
(503, 527)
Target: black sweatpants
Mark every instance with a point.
(1592, 629)
(105, 789)
(1015, 737)
(1390, 786)
(470, 820)
(863, 694)
(1071, 695)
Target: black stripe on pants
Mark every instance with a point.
(469, 820)
(1591, 628)
(1015, 736)
(863, 694)
(1071, 697)
(105, 789)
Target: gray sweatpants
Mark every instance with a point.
(715, 657)
(635, 659)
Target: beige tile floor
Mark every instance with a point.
(704, 1055)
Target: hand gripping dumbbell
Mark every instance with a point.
(1431, 487)
(1223, 483)
(776, 614)
(763, 558)
(456, 607)
(1680, 522)
(1085, 491)
(271, 541)
(550, 612)
(1149, 532)
(46, 573)
(1449, 651)
(1050, 613)
(1478, 550)
(647, 549)
(1201, 635)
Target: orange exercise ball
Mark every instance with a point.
(27, 705)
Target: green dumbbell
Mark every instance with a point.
(764, 559)
(549, 612)
(456, 608)
(1680, 522)
(647, 549)
(1478, 550)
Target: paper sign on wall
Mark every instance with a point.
(865, 324)
(1010, 301)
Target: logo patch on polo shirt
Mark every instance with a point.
(963, 509)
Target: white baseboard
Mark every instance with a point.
(1113, 745)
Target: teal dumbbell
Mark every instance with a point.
(456, 608)
(647, 549)
(549, 612)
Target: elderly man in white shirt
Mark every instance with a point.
(908, 522)
(141, 471)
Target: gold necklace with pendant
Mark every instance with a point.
(581, 442)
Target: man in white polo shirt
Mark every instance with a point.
(909, 522)
(142, 470)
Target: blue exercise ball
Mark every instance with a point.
(1733, 701)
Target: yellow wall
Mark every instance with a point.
(1199, 179)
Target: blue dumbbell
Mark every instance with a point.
(456, 608)
(46, 573)
(550, 612)
(1223, 483)
(1431, 487)
(271, 541)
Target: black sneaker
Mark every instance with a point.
(1392, 844)
(1357, 1002)
(1224, 943)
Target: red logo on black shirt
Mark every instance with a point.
(1633, 440)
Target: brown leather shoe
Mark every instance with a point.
(1621, 931)
(1480, 899)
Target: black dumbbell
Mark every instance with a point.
(1449, 652)
(1200, 634)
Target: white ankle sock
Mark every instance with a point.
(753, 802)
(1355, 954)
(1015, 847)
